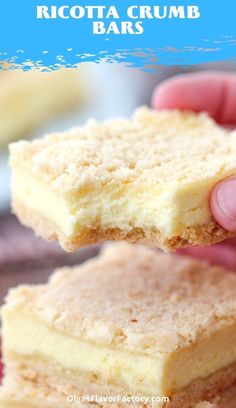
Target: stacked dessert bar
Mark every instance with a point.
(134, 325)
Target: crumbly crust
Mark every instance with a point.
(164, 302)
(208, 234)
(57, 384)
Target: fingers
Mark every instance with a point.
(220, 254)
(223, 203)
(213, 92)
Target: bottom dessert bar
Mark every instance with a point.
(131, 322)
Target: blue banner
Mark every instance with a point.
(53, 33)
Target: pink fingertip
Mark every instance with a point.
(195, 91)
(223, 203)
(212, 92)
(219, 254)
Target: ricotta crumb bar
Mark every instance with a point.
(130, 322)
(27, 99)
(145, 180)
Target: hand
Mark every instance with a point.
(214, 93)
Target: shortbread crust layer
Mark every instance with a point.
(208, 234)
(147, 180)
(60, 383)
(21, 392)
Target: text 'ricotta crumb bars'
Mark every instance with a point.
(131, 322)
(146, 179)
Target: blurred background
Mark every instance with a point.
(34, 103)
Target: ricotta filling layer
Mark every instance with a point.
(169, 209)
(162, 373)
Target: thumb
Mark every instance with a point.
(223, 203)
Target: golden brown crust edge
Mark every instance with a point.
(208, 234)
(24, 377)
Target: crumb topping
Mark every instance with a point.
(151, 147)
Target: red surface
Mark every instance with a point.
(19, 245)
(1, 368)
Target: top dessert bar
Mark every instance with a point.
(146, 179)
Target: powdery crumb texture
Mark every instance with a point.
(135, 298)
(151, 148)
